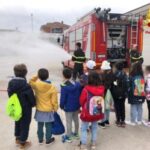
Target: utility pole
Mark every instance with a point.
(32, 22)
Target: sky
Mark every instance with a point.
(17, 13)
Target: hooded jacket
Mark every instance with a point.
(70, 95)
(46, 95)
(96, 91)
(24, 92)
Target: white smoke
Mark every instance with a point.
(33, 49)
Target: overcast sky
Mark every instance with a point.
(17, 13)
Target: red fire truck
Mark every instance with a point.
(105, 36)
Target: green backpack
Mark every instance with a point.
(13, 108)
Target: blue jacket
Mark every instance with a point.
(70, 94)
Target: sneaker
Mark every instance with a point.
(17, 142)
(75, 136)
(123, 124)
(51, 141)
(147, 124)
(25, 145)
(93, 147)
(102, 125)
(130, 123)
(83, 147)
(107, 124)
(118, 124)
(67, 139)
(41, 142)
(139, 123)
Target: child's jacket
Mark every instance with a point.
(70, 95)
(46, 95)
(24, 93)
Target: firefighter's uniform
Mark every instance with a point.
(78, 58)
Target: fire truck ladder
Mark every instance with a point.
(134, 32)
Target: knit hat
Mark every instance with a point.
(90, 64)
(105, 65)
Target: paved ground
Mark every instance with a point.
(112, 138)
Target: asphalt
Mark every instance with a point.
(112, 138)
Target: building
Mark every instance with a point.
(54, 27)
(140, 11)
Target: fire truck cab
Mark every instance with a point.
(104, 36)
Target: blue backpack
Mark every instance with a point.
(57, 126)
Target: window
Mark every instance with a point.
(72, 41)
(57, 30)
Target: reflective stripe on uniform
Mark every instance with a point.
(78, 57)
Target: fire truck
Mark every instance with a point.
(105, 36)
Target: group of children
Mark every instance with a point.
(92, 97)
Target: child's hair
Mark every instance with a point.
(67, 73)
(94, 79)
(136, 70)
(119, 66)
(43, 74)
(147, 69)
(20, 70)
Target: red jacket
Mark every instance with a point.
(96, 91)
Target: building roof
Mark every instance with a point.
(139, 11)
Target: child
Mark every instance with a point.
(147, 73)
(91, 93)
(69, 102)
(107, 77)
(119, 91)
(89, 67)
(25, 94)
(46, 104)
(136, 95)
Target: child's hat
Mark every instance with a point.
(105, 65)
(90, 64)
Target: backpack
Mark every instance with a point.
(13, 108)
(139, 86)
(94, 104)
(57, 126)
(119, 85)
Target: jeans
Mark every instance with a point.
(72, 116)
(40, 131)
(84, 127)
(106, 115)
(136, 112)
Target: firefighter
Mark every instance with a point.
(135, 56)
(78, 58)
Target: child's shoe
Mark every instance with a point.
(25, 145)
(139, 123)
(93, 147)
(130, 123)
(107, 124)
(123, 124)
(41, 142)
(102, 125)
(51, 141)
(17, 142)
(83, 147)
(75, 136)
(67, 139)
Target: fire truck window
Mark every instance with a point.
(79, 35)
(72, 41)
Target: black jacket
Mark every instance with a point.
(24, 92)
(79, 56)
